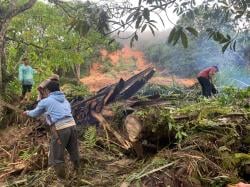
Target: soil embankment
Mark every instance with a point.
(123, 64)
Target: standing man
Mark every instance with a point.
(205, 80)
(26, 73)
(63, 128)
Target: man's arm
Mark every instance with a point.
(39, 110)
(211, 73)
(34, 71)
(20, 73)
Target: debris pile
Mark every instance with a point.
(182, 139)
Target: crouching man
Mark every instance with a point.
(205, 80)
(63, 128)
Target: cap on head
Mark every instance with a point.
(54, 77)
(53, 86)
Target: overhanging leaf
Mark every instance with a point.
(136, 37)
(234, 45)
(184, 39)
(192, 31)
(144, 27)
(132, 41)
(152, 30)
(225, 47)
(177, 35)
(138, 21)
(130, 16)
(171, 35)
(146, 14)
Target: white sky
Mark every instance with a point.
(172, 16)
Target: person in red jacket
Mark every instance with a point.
(205, 80)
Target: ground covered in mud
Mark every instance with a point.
(187, 141)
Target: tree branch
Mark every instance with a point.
(13, 12)
(23, 42)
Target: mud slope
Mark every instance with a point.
(125, 63)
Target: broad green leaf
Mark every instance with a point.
(228, 36)
(234, 45)
(132, 41)
(138, 21)
(171, 35)
(184, 39)
(192, 31)
(123, 24)
(136, 37)
(177, 35)
(152, 30)
(225, 47)
(144, 27)
(146, 14)
(130, 16)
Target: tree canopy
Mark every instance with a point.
(74, 20)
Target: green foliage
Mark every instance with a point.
(163, 91)
(72, 90)
(106, 65)
(158, 120)
(42, 34)
(12, 91)
(125, 64)
(232, 95)
(221, 39)
(84, 16)
(90, 137)
(205, 109)
(178, 32)
(27, 154)
(223, 11)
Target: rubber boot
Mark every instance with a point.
(60, 171)
(76, 172)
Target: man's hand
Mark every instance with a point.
(25, 113)
(58, 141)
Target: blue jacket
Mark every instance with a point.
(55, 105)
(26, 74)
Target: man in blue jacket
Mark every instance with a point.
(63, 128)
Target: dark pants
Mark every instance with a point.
(68, 138)
(207, 87)
(25, 89)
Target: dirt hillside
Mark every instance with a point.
(125, 63)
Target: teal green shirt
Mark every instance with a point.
(26, 74)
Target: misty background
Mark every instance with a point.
(202, 51)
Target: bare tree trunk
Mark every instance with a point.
(78, 72)
(2, 57)
(12, 11)
(2, 64)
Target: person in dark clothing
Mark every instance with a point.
(205, 80)
(63, 128)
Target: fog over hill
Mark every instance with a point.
(146, 39)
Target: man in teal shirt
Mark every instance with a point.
(26, 73)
